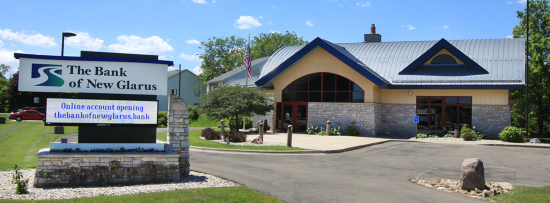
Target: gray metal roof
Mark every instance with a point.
(242, 81)
(175, 72)
(502, 58)
(256, 64)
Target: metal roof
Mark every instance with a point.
(242, 81)
(502, 58)
(255, 64)
(175, 72)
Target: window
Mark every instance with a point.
(323, 87)
(197, 93)
(437, 112)
(444, 59)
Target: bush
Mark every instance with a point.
(336, 131)
(210, 134)
(235, 136)
(467, 133)
(21, 187)
(193, 114)
(511, 134)
(162, 117)
(352, 130)
(421, 135)
(312, 131)
(322, 133)
(233, 124)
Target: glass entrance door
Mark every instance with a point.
(295, 114)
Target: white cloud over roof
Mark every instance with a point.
(247, 22)
(32, 39)
(135, 44)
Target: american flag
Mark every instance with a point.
(246, 61)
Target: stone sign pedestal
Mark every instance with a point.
(178, 132)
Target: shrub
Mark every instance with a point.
(336, 131)
(467, 133)
(352, 130)
(421, 135)
(210, 134)
(511, 134)
(312, 131)
(21, 187)
(479, 136)
(162, 117)
(233, 124)
(234, 135)
(193, 114)
(322, 133)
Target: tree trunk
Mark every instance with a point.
(236, 121)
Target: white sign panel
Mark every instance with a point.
(44, 75)
(60, 110)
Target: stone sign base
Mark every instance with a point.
(96, 169)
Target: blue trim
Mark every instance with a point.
(318, 42)
(72, 58)
(489, 87)
(436, 48)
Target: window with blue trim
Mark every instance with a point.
(323, 87)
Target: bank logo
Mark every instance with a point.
(50, 72)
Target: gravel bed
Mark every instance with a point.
(248, 143)
(195, 180)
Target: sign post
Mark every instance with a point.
(416, 120)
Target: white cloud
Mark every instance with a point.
(193, 57)
(310, 23)
(135, 44)
(247, 22)
(411, 27)
(509, 2)
(402, 26)
(33, 40)
(510, 37)
(83, 41)
(213, 1)
(1, 43)
(365, 4)
(260, 17)
(521, 1)
(6, 58)
(162, 57)
(272, 31)
(197, 70)
(192, 41)
(199, 1)
(446, 27)
(273, 6)
(340, 5)
(270, 23)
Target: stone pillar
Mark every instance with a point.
(178, 132)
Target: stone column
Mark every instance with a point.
(178, 132)
(328, 128)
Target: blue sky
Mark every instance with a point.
(173, 29)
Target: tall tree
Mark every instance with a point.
(222, 55)
(234, 101)
(539, 69)
(267, 44)
(3, 70)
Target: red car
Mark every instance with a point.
(28, 115)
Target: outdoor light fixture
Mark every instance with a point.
(410, 93)
(65, 34)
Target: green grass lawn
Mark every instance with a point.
(525, 194)
(195, 140)
(20, 141)
(204, 122)
(545, 140)
(227, 194)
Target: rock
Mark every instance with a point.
(535, 140)
(473, 174)
(507, 186)
(258, 140)
(441, 188)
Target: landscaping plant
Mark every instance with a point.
(336, 131)
(421, 135)
(312, 131)
(511, 134)
(21, 187)
(352, 130)
(162, 117)
(210, 134)
(234, 135)
(467, 134)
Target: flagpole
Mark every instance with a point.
(246, 75)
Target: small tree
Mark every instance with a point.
(234, 101)
(21, 187)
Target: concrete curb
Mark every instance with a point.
(542, 145)
(289, 152)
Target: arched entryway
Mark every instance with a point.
(316, 87)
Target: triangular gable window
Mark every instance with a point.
(443, 59)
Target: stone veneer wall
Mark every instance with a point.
(93, 169)
(396, 120)
(491, 120)
(342, 114)
(268, 116)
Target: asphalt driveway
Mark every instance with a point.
(378, 173)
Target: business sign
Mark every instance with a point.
(44, 75)
(100, 112)
(416, 119)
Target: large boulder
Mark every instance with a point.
(473, 174)
(535, 140)
(258, 140)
